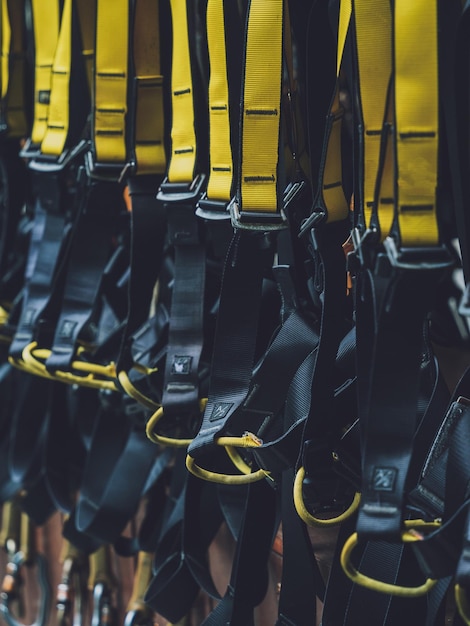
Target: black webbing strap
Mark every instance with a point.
(92, 243)
(8, 486)
(13, 194)
(147, 235)
(116, 475)
(180, 569)
(179, 194)
(249, 576)
(44, 258)
(301, 582)
(248, 260)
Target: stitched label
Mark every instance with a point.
(383, 478)
(181, 364)
(220, 410)
(67, 328)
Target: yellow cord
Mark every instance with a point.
(462, 604)
(163, 440)
(310, 519)
(33, 358)
(408, 536)
(224, 479)
(134, 393)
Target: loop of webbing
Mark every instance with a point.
(260, 124)
(330, 194)
(46, 34)
(13, 67)
(150, 156)
(183, 137)
(374, 55)
(86, 10)
(55, 137)
(416, 120)
(111, 82)
(219, 185)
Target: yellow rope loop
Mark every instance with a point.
(162, 439)
(34, 362)
(246, 476)
(410, 534)
(223, 479)
(132, 391)
(310, 519)
(461, 601)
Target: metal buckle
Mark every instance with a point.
(419, 257)
(107, 172)
(30, 151)
(181, 193)
(256, 220)
(52, 164)
(261, 221)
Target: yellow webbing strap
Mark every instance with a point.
(101, 568)
(56, 134)
(331, 186)
(149, 116)
(374, 57)
(46, 33)
(142, 578)
(111, 79)
(183, 135)
(261, 107)
(219, 186)
(14, 67)
(416, 116)
(87, 19)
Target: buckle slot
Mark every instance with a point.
(180, 193)
(107, 172)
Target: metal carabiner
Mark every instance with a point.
(13, 581)
(72, 591)
(104, 585)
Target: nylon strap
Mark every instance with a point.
(330, 195)
(416, 117)
(148, 96)
(14, 66)
(219, 186)
(183, 136)
(87, 19)
(111, 82)
(58, 122)
(261, 107)
(46, 33)
(374, 53)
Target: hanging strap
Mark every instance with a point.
(46, 18)
(14, 68)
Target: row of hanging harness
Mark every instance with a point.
(233, 244)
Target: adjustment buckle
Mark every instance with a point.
(51, 164)
(256, 220)
(181, 193)
(107, 172)
(212, 209)
(419, 257)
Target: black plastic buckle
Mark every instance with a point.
(418, 258)
(51, 164)
(181, 193)
(464, 305)
(107, 172)
(212, 209)
(260, 221)
(30, 150)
